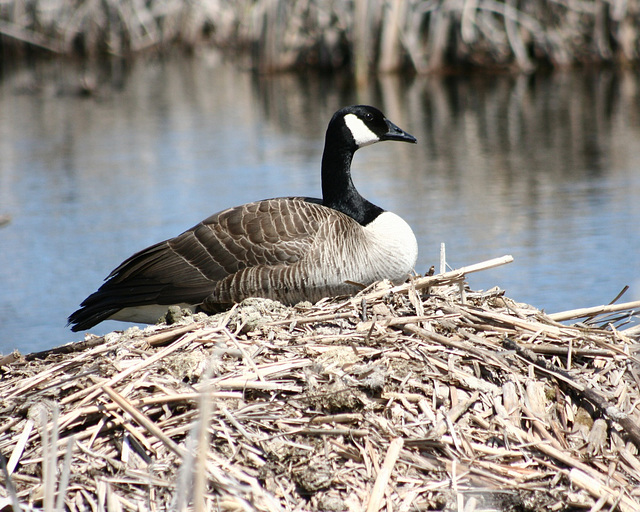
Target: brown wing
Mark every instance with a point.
(185, 269)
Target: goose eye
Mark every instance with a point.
(368, 117)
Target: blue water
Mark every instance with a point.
(546, 168)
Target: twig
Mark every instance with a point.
(563, 351)
(452, 276)
(384, 474)
(595, 310)
(64, 477)
(78, 346)
(94, 390)
(600, 490)
(143, 420)
(624, 420)
(171, 334)
(9, 486)
(19, 447)
(203, 421)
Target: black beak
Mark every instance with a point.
(396, 133)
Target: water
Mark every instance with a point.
(546, 168)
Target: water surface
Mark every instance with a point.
(543, 167)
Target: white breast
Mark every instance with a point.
(393, 247)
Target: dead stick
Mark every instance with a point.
(346, 417)
(69, 348)
(347, 432)
(513, 322)
(441, 279)
(171, 334)
(454, 414)
(443, 340)
(309, 319)
(607, 408)
(383, 475)
(563, 351)
(91, 393)
(9, 486)
(200, 477)
(596, 310)
(599, 490)
(142, 420)
(520, 435)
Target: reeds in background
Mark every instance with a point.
(362, 35)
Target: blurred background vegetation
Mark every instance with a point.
(363, 36)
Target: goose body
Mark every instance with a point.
(289, 249)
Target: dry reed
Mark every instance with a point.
(402, 398)
(381, 35)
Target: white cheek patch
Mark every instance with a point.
(362, 135)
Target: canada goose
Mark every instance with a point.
(289, 249)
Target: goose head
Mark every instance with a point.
(363, 125)
(352, 128)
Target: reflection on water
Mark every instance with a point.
(544, 167)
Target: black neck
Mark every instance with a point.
(338, 190)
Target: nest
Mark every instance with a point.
(424, 396)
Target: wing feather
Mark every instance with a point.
(187, 268)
